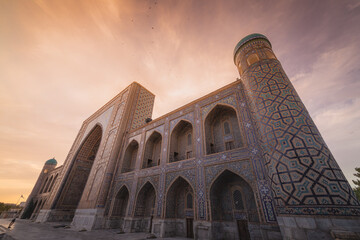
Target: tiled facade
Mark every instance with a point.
(234, 163)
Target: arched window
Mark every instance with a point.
(226, 128)
(45, 183)
(52, 184)
(253, 58)
(238, 201)
(270, 54)
(189, 201)
(181, 144)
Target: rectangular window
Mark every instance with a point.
(149, 163)
(189, 154)
(229, 145)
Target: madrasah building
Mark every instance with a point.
(243, 162)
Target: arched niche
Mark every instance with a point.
(43, 186)
(145, 207)
(181, 142)
(152, 152)
(120, 203)
(130, 157)
(80, 170)
(222, 131)
(232, 200)
(145, 202)
(53, 182)
(180, 207)
(46, 189)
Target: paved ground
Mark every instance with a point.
(25, 229)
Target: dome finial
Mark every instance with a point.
(247, 39)
(51, 161)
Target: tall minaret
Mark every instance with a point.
(304, 176)
(48, 166)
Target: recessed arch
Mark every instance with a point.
(80, 170)
(29, 210)
(180, 146)
(221, 195)
(252, 58)
(178, 207)
(145, 206)
(53, 182)
(46, 189)
(222, 130)
(232, 200)
(43, 186)
(121, 202)
(129, 161)
(152, 153)
(37, 209)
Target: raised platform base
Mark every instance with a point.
(88, 219)
(328, 227)
(55, 215)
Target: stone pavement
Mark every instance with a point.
(26, 229)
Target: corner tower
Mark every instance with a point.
(39, 186)
(305, 179)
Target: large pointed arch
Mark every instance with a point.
(53, 182)
(152, 153)
(222, 130)
(44, 184)
(78, 174)
(181, 141)
(46, 189)
(232, 200)
(180, 207)
(145, 201)
(121, 202)
(145, 207)
(129, 161)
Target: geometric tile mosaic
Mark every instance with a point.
(301, 168)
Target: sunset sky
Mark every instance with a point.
(61, 60)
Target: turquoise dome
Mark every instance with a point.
(247, 39)
(51, 161)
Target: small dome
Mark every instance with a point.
(51, 161)
(247, 39)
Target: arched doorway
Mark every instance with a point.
(233, 206)
(222, 132)
(36, 209)
(152, 151)
(79, 173)
(119, 208)
(43, 186)
(30, 209)
(180, 209)
(52, 184)
(181, 144)
(145, 208)
(46, 189)
(130, 157)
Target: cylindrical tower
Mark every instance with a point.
(305, 178)
(48, 166)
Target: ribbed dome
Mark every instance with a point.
(51, 161)
(249, 38)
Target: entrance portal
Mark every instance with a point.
(73, 188)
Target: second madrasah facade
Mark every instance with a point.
(243, 162)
